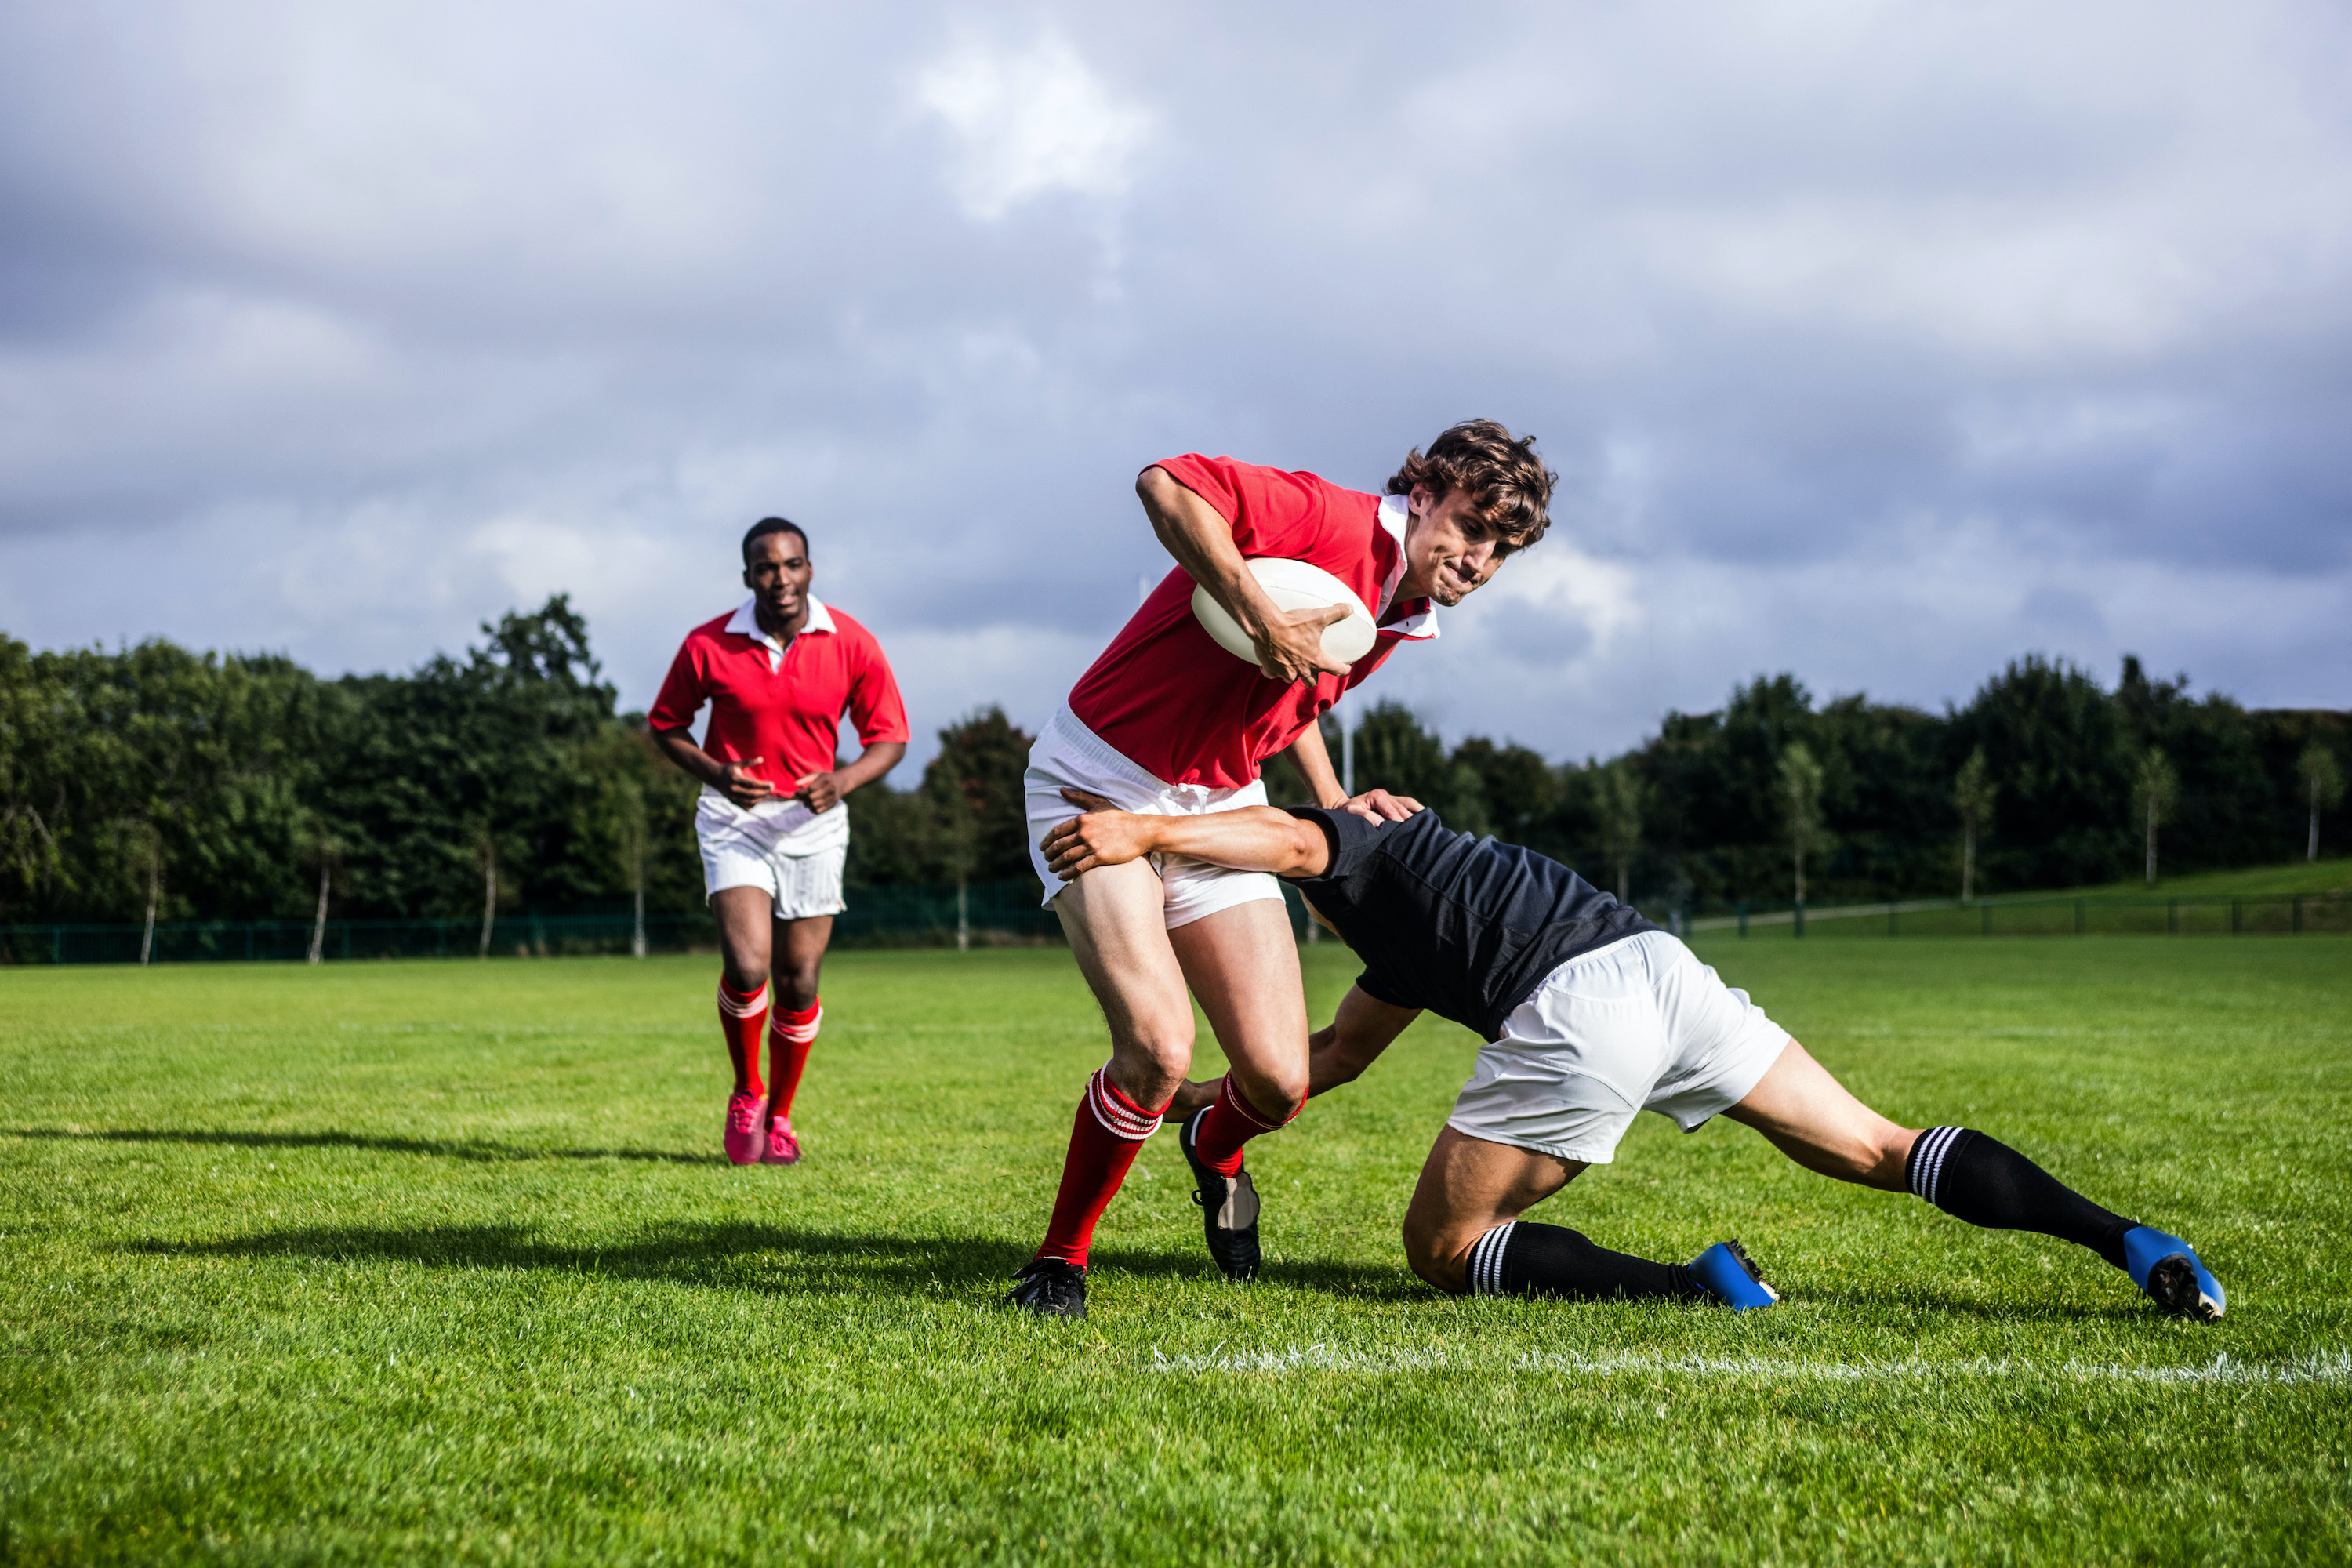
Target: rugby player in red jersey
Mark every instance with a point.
(779, 674)
(1168, 723)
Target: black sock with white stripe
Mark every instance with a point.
(1985, 1181)
(1525, 1259)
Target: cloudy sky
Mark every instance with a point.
(1877, 343)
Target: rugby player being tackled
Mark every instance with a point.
(1590, 1014)
(1166, 723)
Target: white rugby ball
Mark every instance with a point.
(1293, 585)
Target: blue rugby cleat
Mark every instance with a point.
(2168, 1270)
(1732, 1278)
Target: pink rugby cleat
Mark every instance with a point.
(743, 1113)
(783, 1144)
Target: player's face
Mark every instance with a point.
(778, 574)
(1448, 549)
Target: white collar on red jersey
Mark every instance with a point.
(1395, 512)
(746, 623)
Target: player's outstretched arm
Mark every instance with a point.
(1253, 838)
(1359, 1032)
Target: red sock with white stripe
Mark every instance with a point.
(1231, 1123)
(790, 1035)
(743, 1018)
(1108, 1133)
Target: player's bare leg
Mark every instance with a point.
(1116, 930)
(798, 956)
(1812, 1117)
(1243, 968)
(1468, 1187)
(1463, 1234)
(745, 941)
(1114, 919)
(1242, 965)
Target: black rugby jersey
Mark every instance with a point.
(1464, 927)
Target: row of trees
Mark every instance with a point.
(158, 782)
(151, 781)
(2042, 779)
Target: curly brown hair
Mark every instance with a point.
(1508, 484)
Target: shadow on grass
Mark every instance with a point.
(766, 1259)
(439, 1148)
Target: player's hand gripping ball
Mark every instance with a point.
(1296, 587)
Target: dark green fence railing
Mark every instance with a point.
(986, 914)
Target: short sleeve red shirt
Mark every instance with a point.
(1167, 698)
(783, 709)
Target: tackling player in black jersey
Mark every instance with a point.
(1590, 1013)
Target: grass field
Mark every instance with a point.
(439, 1260)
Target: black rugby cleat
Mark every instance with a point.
(1051, 1288)
(1228, 1208)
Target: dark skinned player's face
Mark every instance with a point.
(778, 574)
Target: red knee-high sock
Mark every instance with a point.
(1231, 1123)
(1109, 1131)
(743, 1018)
(790, 1035)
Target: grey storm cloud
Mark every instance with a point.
(1879, 342)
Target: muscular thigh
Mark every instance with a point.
(1113, 920)
(1242, 965)
(745, 928)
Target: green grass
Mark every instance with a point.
(438, 1261)
(2332, 875)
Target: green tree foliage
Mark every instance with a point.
(247, 776)
(1800, 793)
(965, 820)
(1619, 799)
(2154, 789)
(235, 768)
(1973, 797)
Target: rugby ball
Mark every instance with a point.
(1293, 585)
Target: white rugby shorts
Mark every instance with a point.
(1639, 1025)
(797, 854)
(1068, 753)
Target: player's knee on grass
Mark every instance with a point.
(1437, 1248)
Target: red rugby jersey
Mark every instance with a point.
(784, 710)
(1168, 699)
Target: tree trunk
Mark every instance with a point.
(318, 924)
(1624, 882)
(154, 876)
(490, 899)
(1967, 861)
(1800, 876)
(2151, 844)
(963, 918)
(2310, 853)
(637, 890)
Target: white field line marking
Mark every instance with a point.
(2331, 1368)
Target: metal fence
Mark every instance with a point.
(980, 914)
(2277, 914)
